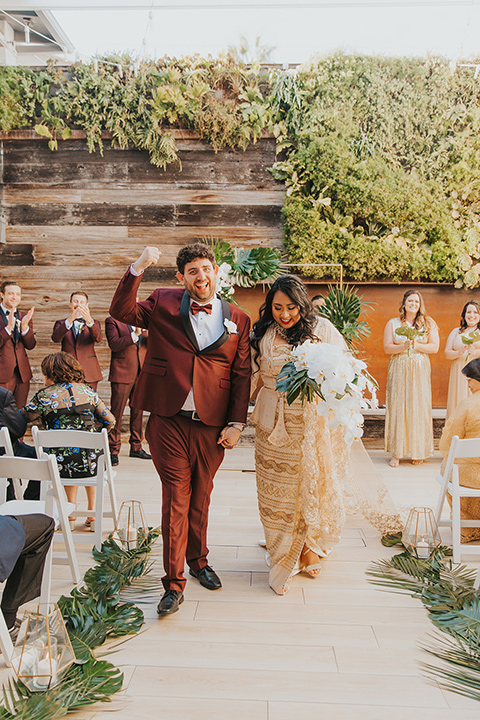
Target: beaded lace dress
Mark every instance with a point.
(304, 480)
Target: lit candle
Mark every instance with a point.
(131, 533)
(423, 551)
(46, 670)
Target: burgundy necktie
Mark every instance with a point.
(196, 308)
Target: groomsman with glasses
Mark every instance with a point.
(78, 334)
(16, 337)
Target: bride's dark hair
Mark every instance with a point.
(303, 329)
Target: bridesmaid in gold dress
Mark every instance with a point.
(465, 422)
(300, 463)
(408, 419)
(460, 354)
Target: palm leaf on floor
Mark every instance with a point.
(85, 684)
(447, 592)
(460, 671)
(91, 613)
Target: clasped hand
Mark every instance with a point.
(229, 437)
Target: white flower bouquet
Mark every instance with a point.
(225, 281)
(335, 378)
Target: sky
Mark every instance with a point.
(296, 33)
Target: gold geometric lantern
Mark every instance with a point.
(43, 651)
(131, 527)
(420, 535)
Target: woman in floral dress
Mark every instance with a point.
(67, 402)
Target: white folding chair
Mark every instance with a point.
(6, 645)
(6, 445)
(459, 450)
(54, 505)
(105, 475)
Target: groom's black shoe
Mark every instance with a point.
(170, 602)
(207, 577)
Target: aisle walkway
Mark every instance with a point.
(334, 647)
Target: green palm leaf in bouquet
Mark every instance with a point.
(296, 383)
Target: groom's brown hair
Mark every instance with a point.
(192, 252)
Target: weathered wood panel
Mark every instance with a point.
(143, 215)
(80, 219)
(31, 163)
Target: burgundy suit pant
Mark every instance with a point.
(121, 392)
(186, 456)
(18, 388)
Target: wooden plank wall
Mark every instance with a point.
(76, 220)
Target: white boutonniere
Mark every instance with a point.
(231, 327)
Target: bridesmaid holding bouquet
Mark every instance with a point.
(409, 339)
(461, 347)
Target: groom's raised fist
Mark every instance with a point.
(150, 256)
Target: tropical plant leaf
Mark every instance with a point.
(94, 681)
(391, 539)
(461, 670)
(343, 307)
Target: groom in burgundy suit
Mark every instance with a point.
(195, 382)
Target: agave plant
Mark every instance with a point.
(343, 307)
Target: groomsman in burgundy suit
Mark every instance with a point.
(16, 336)
(195, 382)
(129, 347)
(78, 334)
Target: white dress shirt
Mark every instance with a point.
(207, 329)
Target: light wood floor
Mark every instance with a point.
(334, 647)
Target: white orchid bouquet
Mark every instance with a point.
(335, 378)
(225, 281)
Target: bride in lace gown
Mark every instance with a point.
(300, 464)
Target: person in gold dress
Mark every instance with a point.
(465, 422)
(460, 354)
(408, 418)
(300, 463)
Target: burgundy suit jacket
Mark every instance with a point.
(219, 374)
(81, 347)
(14, 355)
(127, 356)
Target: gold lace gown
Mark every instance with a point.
(457, 382)
(465, 422)
(408, 417)
(300, 468)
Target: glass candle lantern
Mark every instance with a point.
(420, 535)
(131, 529)
(43, 651)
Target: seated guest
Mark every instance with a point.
(24, 543)
(67, 402)
(465, 422)
(10, 418)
